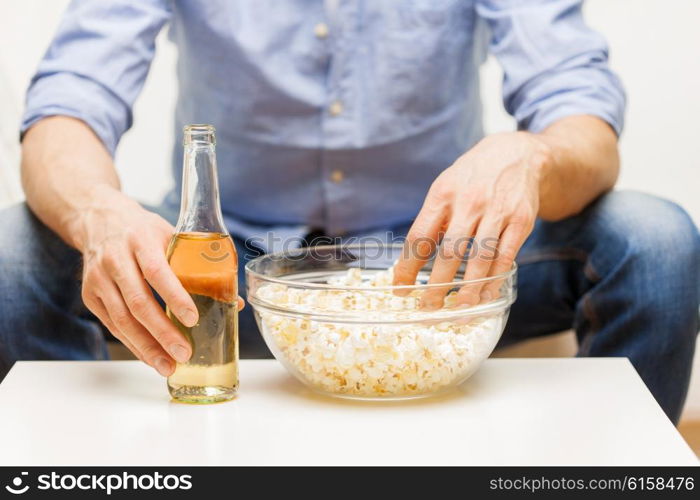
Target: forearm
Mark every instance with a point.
(583, 162)
(66, 172)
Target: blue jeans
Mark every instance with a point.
(625, 274)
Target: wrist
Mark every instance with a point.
(90, 211)
(545, 160)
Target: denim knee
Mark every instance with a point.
(660, 244)
(648, 227)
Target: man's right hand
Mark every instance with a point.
(72, 186)
(123, 247)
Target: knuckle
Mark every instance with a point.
(415, 234)
(438, 199)
(151, 352)
(90, 277)
(165, 333)
(132, 235)
(479, 257)
(139, 304)
(485, 255)
(178, 303)
(92, 305)
(478, 200)
(522, 217)
(489, 247)
(109, 260)
(437, 188)
(420, 245)
(402, 270)
(447, 252)
(457, 247)
(162, 336)
(450, 250)
(507, 254)
(152, 268)
(400, 275)
(122, 320)
(87, 296)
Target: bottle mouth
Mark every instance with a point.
(199, 133)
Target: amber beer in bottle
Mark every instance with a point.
(203, 257)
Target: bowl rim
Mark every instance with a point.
(326, 286)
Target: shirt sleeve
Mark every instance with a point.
(96, 65)
(554, 65)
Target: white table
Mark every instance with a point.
(512, 412)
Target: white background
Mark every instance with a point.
(655, 47)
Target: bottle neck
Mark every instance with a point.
(200, 208)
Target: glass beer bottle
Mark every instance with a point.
(203, 257)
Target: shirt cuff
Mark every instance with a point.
(550, 114)
(70, 94)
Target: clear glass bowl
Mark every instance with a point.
(330, 315)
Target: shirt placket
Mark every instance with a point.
(337, 123)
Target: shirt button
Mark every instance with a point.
(335, 108)
(337, 176)
(321, 30)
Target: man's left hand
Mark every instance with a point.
(482, 207)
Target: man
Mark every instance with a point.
(337, 118)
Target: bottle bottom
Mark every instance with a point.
(197, 394)
(204, 384)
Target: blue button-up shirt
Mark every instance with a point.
(335, 115)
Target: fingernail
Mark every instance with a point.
(189, 317)
(486, 296)
(163, 366)
(179, 353)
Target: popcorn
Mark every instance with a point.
(399, 351)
